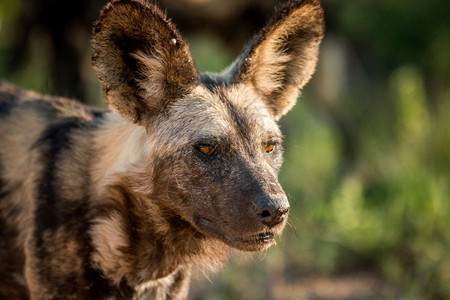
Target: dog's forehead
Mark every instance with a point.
(218, 112)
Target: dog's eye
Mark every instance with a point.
(270, 148)
(207, 150)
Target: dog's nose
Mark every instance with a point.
(272, 211)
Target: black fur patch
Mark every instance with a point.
(5, 106)
(101, 289)
(131, 219)
(212, 81)
(98, 113)
(11, 261)
(54, 139)
(3, 193)
(239, 119)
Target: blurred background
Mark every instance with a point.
(367, 164)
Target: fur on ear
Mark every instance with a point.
(141, 59)
(282, 57)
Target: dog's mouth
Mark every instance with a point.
(256, 242)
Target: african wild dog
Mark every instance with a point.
(122, 204)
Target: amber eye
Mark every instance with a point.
(270, 148)
(207, 150)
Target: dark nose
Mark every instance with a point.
(272, 211)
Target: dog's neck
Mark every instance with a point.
(117, 145)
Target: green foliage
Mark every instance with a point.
(9, 10)
(210, 53)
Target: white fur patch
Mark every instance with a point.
(108, 238)
(154, 73)
(119, 144)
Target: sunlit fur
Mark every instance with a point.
(121, 203)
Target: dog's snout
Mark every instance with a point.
(272, 211)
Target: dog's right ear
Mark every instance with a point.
(141, 59)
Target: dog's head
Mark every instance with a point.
(217, 148)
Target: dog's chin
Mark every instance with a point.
(255, 242)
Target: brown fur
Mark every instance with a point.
(123, 204)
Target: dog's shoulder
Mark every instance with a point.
(20, 102)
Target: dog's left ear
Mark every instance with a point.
(282, 57)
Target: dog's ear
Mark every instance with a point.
(141, 59)
(282, 57)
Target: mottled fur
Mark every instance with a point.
(123, 204)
